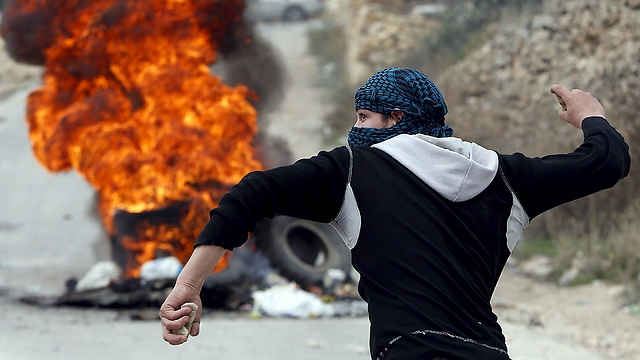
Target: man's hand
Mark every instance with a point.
(187, 289)
(173, 317)
(580, 105)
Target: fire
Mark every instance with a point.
(128, 101)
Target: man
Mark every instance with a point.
(430, 219)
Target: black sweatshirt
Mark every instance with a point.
(430, 222)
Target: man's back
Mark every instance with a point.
(428, 265)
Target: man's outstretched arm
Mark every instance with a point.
(542, 183)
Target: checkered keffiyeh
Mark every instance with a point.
(405, 90)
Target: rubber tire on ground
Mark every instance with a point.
(302, 250)
(293, 14)
(231, 275)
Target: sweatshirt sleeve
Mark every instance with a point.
(543, 183)
(311, 189)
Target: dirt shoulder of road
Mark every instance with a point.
(592, 315)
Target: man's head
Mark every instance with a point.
(408, 101)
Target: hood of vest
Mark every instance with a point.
(456, 169)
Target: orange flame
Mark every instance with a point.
(129, 102)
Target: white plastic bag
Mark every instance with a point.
(99, 276)
(290, 301)
(162, 268)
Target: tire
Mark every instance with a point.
(293, 14)
(231, 275)
(302, 250)
(223, 289)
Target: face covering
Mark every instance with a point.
(359, 136)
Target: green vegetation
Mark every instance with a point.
(632, 295)
(531, 247)
(608, 249)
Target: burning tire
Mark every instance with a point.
(302, 250)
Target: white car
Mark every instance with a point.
(287, 10)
